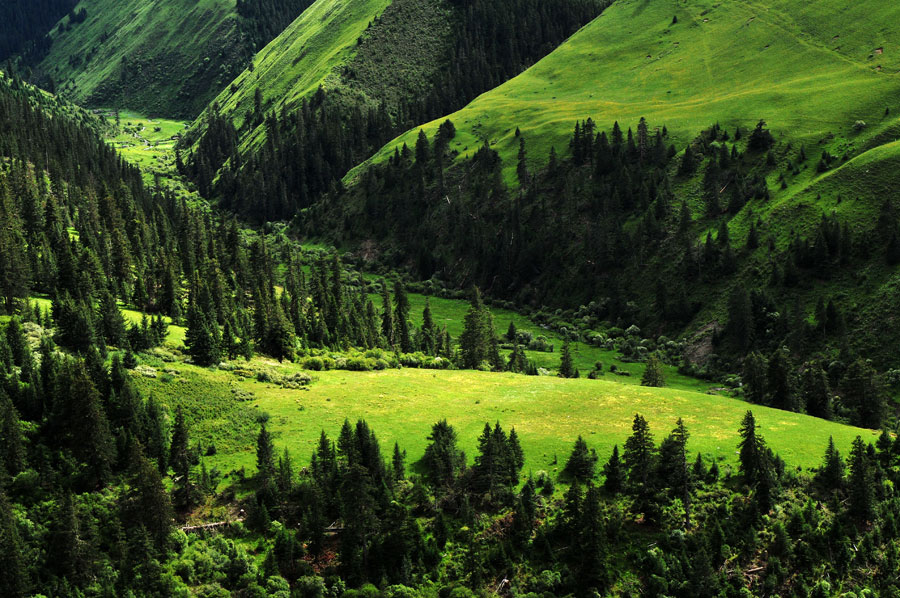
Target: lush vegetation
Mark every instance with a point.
(26, 25)
(414, 62)
(164, 58)
(622, 324)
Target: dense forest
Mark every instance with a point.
(492, 43)
(26, 25)
(85, 508)
(266, 19)
(151, 337)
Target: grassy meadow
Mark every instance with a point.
(400, 405)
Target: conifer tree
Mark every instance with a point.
(429, 330)
(265, 467)
(473, 341)
(387, 317)
(863, 395)
(181, 461)
(111, 321)
(614, 474)
(780, 380)
(754, 378)
(148, 502)
(816, 391)
(639, 455)
(581, 463)
(202, 337)
(14, 582)
(398, 463)
(860, 483)
(755, 462)
(401, 317)
(831, 473)
(566, 362)
(442, 458)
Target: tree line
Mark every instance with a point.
(84, 505)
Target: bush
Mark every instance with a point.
(359, 364)
(313, 363)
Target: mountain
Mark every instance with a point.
(161, 58)
(25, 24)
(795, 211)
(345, 78)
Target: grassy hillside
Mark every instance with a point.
(164, 58)
(791, 63)
(547, 412)
(296, 62)
(820, 86)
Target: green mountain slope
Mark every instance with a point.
(381, 67)
(656, 245)
(296, 62)
(164, 58)
(160, 57)
(801, 66)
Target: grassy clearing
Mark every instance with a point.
(400, 405)
(149, 143)
(451, 313)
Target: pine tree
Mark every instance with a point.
(387, 317)
(863, 395)
(401, 317)
(398, 463)
(429, 330)
(755, 462)
(566, 363)
(265, 467)
(473, 342)
(754, 377)
(831, 473)
(442, 458)
(780, 380)
(12, 446)
(14, 582)
(816, 392)
(740, 328)
(653, 372)
(111, 321)
(202, 337)
(581, 463)
(639, 455)
(614, 474)
(148, 502)
(181, 461)
(861, 505)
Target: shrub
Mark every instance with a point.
(313, 363)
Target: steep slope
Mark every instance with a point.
(162, 58)
(300, 59)
(799, 223)
(798, 65)
(343, 79)
(26, 24)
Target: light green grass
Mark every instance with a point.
(451, 313)
(149, 143)
(300, 59)
(547, 412)
(809, 69)
(176, 42)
